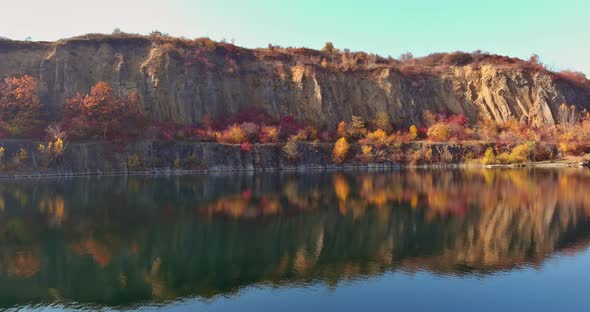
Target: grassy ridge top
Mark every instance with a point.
(328, 57)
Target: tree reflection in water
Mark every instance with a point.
(121, 241)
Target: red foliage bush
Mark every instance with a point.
(20, 108)
(204, 135)
(246, 147)
(102, 114)
(577, 78)
(452, 127)
(459, 119)
(411, 71)
(422, 132)
(251, 131)
(289, 127)
(253, 114)
(197, 57)
(458, 59)
(165, 131)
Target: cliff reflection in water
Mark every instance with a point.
(125, 240)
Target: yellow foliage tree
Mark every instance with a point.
(50, 152)
(378, 136)
(565, 148)
(520, 153)
(413, 132)
(367, 152)
(291, 148)
(489, 157)
(357, 129)
(269, 134)
(341, 129)
(234, 134)
(340, 151)
(439, 132)
(566, 140)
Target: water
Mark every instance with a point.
(450, 240)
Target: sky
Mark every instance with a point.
(555, 30)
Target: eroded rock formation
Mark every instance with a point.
(181, 81)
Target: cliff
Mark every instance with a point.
(182, 80)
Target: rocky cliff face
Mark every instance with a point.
(183, 81)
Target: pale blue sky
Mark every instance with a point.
(556, 30)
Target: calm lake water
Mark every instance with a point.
(450, 240)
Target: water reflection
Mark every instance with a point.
(122, 241)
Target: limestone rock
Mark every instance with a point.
(174, 85)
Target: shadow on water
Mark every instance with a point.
(128, 241)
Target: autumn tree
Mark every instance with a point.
(489, 157)
(377, 138)
(356, 130)
(291, 148)
(268, 134)
(341, 130)
(439, 132)
(234, 134)
(487, 130)
(413, 133)
(382, 121)
(429, 118)
(103, 115)
(340, 150)
(20, 109)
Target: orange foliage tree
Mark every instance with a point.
(104, 115)
(20, 108)
(234, 134)
(340, 151)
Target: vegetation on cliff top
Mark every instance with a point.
(226, 56)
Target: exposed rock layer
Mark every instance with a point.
(98, 158)
(174, 87)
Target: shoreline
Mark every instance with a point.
(152, 157)
(371, 167)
